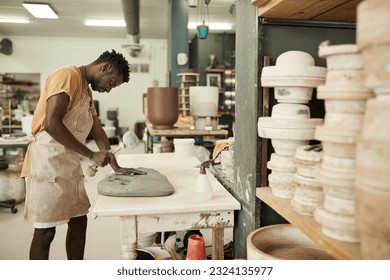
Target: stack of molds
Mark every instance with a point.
(373, 148)
(293, 78)
(345, 101)
(308, 192)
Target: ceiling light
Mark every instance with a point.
(13, 20)
(119, 23)
(212, 26)
(40, 10)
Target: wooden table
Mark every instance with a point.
(175, 212)
(15, 143)
(180, 132)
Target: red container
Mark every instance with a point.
(196, 249)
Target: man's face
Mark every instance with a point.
(106, 80)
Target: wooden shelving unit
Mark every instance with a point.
(186, 80)
(17, 91)
(307, 224)
(338, 13)
(331, 10)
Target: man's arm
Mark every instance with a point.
(55, 112)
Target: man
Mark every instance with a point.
(64, 117)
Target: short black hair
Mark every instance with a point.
(118, 63)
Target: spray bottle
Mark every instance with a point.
(203, 188)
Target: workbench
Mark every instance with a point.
(180, 131)
(176, 212)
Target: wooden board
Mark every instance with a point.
(184, 131)
(330, 10)
(307, 224)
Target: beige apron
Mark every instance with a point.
(55, 184)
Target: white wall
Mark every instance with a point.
(44, 55)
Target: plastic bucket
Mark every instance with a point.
(184, 147)
(26, 124)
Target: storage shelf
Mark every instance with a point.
(332, 10)
(307, 224)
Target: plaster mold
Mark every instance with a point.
(340, 56)
(376, 121)
(373, 164)
(307, 195)
(345, 106)
(294, 76)
(281, 163)
(374, 225)
(373, 39)
(339, 205)
(337, 164)
(290, 111)
(281, 186)
(343, 150)
(306, 159)
(336, 226)
(373, 18)
(339, 185)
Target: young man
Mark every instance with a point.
(64, 117)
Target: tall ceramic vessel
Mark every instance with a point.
(162, 107)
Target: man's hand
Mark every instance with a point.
(101, 158)
(129, 171)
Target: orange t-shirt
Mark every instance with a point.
(65, 80)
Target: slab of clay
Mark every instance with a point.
(151, 184)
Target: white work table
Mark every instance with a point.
(178, 211)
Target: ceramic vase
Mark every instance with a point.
(162, 107)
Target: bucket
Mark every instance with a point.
(196, 249)
(184, 147)
(146, 239)
(283, 241)
(26, 124)
(110, 131)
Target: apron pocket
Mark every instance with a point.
(82, 122)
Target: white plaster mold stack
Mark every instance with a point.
(308, 192)
(204, 107)
(373, 147)
(345, 101)
(293, 78)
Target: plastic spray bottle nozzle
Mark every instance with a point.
(203, 188)
(202, 169)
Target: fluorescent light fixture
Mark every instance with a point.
(14, 20)
(39, 10)
(112, 23)
(212, 26)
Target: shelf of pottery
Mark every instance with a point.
(18, 99)
(187, 79)
(229, 92)
(339, 188)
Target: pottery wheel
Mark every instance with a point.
(151, 184)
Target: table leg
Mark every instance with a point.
(128, 229)
(218, 246)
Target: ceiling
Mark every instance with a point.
(154, 18)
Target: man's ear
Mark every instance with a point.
(106, 67)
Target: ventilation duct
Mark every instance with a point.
(131, 10)
(6, 46)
